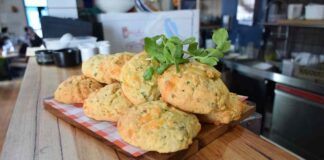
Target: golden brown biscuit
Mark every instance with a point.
(135, 88)
(108, 103)
(76, 89)
(196, 88)
(233, 111)
(92, 68)
(154, 126)
(113, 64)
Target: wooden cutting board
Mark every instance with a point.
(208, 133)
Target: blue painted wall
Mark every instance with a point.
(247, 33)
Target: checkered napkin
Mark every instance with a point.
(106, 130)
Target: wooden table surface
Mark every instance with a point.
(10, 55)
(34, 133)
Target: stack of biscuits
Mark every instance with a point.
(162, 114)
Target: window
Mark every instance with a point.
(35, 3)
(35, 9)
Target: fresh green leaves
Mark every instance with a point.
(148, 73)
(220, 36)
(189, 40)
(211, 56)
(170, 51)
(167, 51)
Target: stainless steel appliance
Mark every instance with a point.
(298, 121)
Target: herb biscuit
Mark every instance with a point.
(233, 111)
(93, 68)
(76, 89)
(196, 88)
(113, 64)
(154, 126)
(135, 87)
(108, 103)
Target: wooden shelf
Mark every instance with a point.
(204, 26)
(297, 23)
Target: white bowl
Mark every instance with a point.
(66, 38)
(115, 6)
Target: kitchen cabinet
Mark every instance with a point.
(297, 121)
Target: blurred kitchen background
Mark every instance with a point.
(276, 58)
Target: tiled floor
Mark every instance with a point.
(8, 94)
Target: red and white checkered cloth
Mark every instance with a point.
(106, 130)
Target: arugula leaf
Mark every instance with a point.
(148, 74)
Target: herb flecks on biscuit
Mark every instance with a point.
(154, 126)
(107, 104)
(76, 89)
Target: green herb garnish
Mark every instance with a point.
(148, 73)
(170, 51)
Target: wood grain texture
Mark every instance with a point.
(48, 136)
(90, 148)
(68, 132)
(302, 23)
(21, 134)
(240, 143)
(208, 133)
(297, 23)
(8, 95)
(83, 129)
(33, 133)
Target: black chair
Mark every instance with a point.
(4, 70)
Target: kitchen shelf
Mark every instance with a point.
(208, 26)
(297, 23)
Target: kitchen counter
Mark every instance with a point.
(276, 77)
(34, 133)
